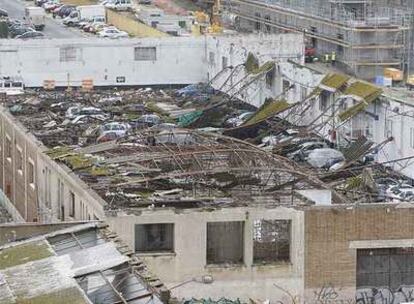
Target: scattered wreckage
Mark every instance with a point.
(143, 147)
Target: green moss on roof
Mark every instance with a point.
(266, 67)
(267, 110)
(25, 253)
(153, 107)
(364, 90)
(353, 182)
(78, 161)
(59, 152)
(69, 295)
(252, 63)
(352, 111)
(99, 171)
(335, 81)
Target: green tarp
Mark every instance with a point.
(187, 119)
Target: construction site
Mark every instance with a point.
(365, 36)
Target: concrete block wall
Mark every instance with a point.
(190, 253)
(105, 61)
(38, 200)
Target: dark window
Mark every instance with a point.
(61, 200)
(257, 24)
(388, 267)
(145, 54)
(8, 147)
(19, 160)
(31, 173)
(267, 25)
(68, 54)
(224, 62)
(285, 85)
(340, 48)
(323, 101)
(72, 204)
(225, 243)
(314, 41)
(270, 77)
(211, 58)
(271, 241)
(9, 191)
(154, 237)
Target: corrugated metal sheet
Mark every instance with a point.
(266, 111)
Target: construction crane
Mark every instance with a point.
(216, 22)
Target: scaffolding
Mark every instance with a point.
(366, 37)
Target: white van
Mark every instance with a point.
(120, 5)
(35, 16)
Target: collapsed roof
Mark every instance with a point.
(82, 264)
(162, 165)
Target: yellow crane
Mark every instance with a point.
(216, 24)
(209, 22)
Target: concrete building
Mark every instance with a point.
(366, 36)
(138, 62)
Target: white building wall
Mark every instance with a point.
(396, 119)
(235, 49)
(178, 61)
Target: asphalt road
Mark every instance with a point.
(53, 28)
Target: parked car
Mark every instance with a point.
(238, 120)
(91, 27)
(31, 35)
(97, 27)
(120, 5)
(147, 120)
(324, 158)
(4, 13)
(303, 150)
(401, 192)
(113, 130)
(19, 30)
(195, 90)
(65, 10)
(111, 32)
(40, 2)
(50, 6)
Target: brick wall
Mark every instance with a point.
(329, 260)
